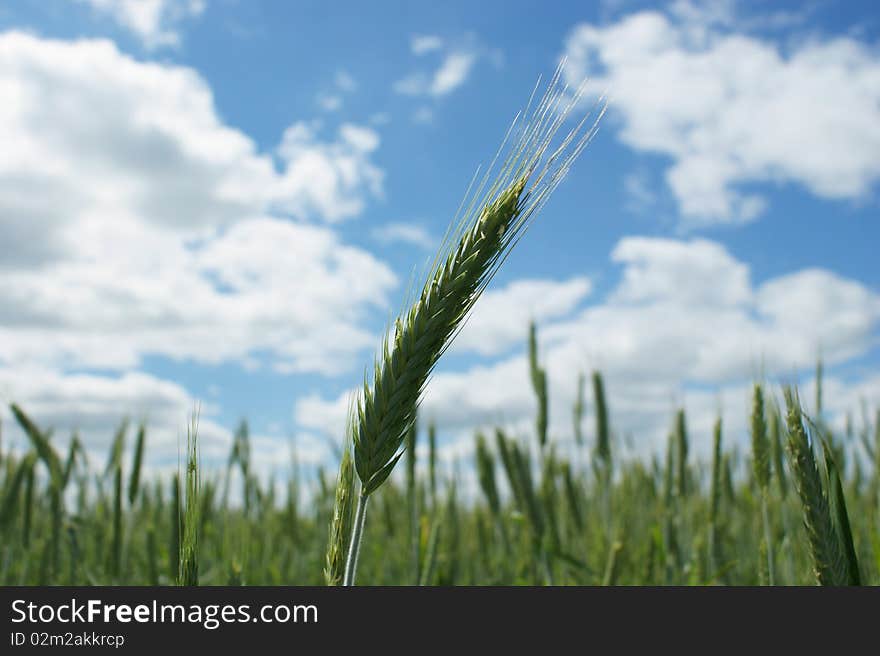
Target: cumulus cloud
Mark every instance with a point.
(103, 133)
(107, 134)
(332, 180)
(290, 290)
(732, 109)
(685, 325)
(154, 22)
(697, 273)
(136, 222)
(690, 308)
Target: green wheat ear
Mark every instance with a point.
(602, 450)
(761, 470)
(340, 522)
(539, 385)
(828, 534)
(494, 218)
(760, 442)
(578, 411)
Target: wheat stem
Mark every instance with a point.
(768, 539)
(357, 531)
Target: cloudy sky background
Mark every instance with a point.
(221, 202)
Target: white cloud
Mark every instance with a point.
(403, 233)
(684, 326)
(97, 133)
(697, 273)
(456, 62)
(452, 73)
(328, 179)
(421, 44)
(690, 308)
(292, 291)
(154, 22)
(732, 109)
(815, 306)
(136, 222)
(363, 140)
(704, 15)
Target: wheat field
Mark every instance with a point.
(788, 512)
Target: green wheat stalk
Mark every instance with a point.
(136, 465)
(538, 376)
(761, 469)
(602, 452)
(9, 505)
(681, 442)
(51, 459)
(602, 449)
(572, 497)
(715, 498)
(188, 574)
(494, 218)
(830, 562)
(578, 411)
(432, 463)
(340, 523)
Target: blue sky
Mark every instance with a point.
(222, 201)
